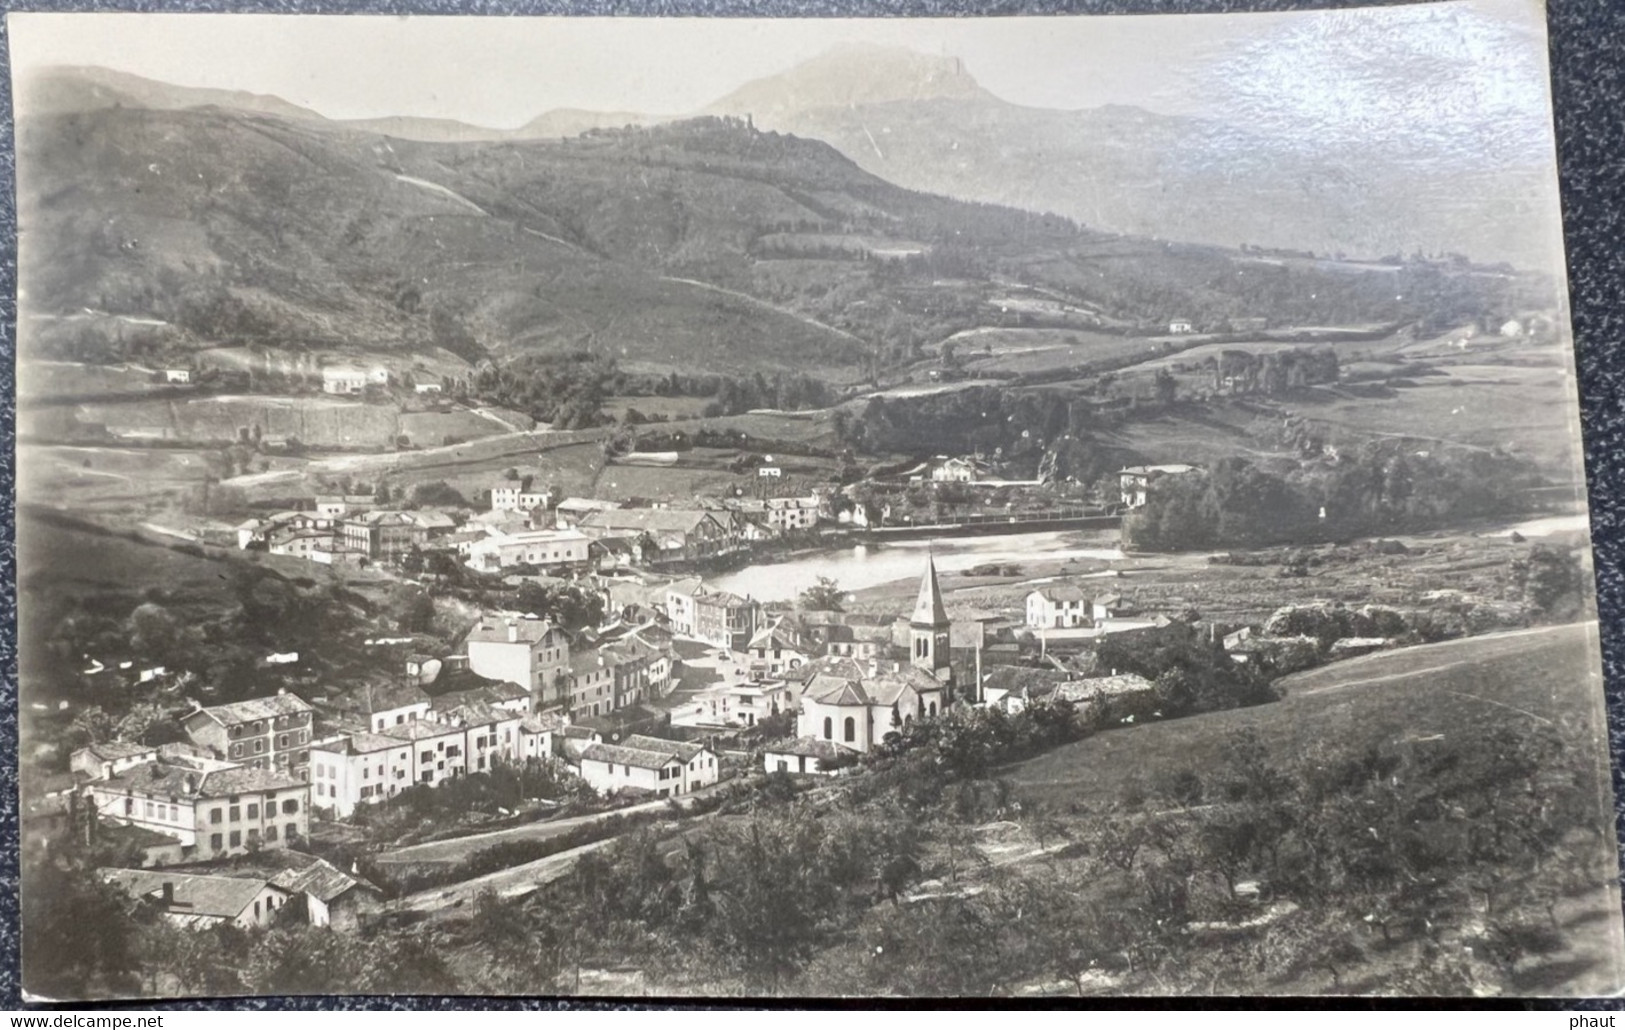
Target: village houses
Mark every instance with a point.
(1058, 606)
(663, 768)
(264, 733)
(532, 652)
(1135, 481)
(199, 901)
(212, 807)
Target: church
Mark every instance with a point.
(854, 703)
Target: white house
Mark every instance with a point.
(665, 768)
(785, 513)
(1058, 607)
(510, 496)
(429, 387)
(1135, 481)
(346, 380)
(213, 808)
(680, 607)
(775, 651)
(531, 652)
(1109, 606)
(1179, 326)
(805, 755)
(954, 470)
(177, 375)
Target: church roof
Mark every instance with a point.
(928, 608)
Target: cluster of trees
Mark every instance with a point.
(566, 390)
(1274, 372)
(1383, 487)
(1193, 673)
(566, 604)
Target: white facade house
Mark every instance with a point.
(513, 497)
(1179, 326)
(364, 768)
(177, 375)
(1134, 482)
(344, 381)
(785, 513)
(665, 768)
(680, 607)
(775, 651)
(533, 653)
(954, 470)
(1058, 607)
(215, 808)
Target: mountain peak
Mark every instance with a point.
(849, 75)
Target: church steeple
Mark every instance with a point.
(928, 609)
(928, 627)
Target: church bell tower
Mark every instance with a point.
(928, 627)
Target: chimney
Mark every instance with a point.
(513, 633)
(169, 894)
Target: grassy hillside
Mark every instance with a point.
(1461, 689)
(699, 245)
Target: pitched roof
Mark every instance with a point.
(807, 747)
(1061, 593)
(617, 755)
(494, 629)
(258, 708)
(362, 743)
(928, 608)
(543, 722)
(221, 897)
(113, 750)
(176, 780)
(321, 880)
(775, 635)
(491, 693)
(648, 520)
(682, 749)
(836, 690)
(420, 730)
(373, 698)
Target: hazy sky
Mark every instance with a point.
(1370, 69)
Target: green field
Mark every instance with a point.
(1411, 697)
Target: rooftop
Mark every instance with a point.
(494, 629)
(259, 708)
(632, 756)
(221, 897)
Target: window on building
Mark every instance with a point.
(236, 839)
(282, 740)
(215, 843)
(235, 814)
(214, 815)
(851, 729)
(253, 811)
(290, 806)
(829, 728)
(259, 745)
(293, 831)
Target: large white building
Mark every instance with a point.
(530, 547)
(533, 653)
(214, 808)
(665, 768)
(364, 768)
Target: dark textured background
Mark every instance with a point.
(1588, 73)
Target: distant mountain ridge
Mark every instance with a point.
(924, 122)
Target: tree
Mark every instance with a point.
(825, 596)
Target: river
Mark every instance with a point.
(859, 567)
